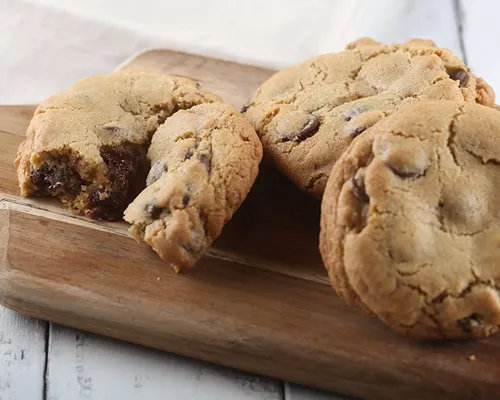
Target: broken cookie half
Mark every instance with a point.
(88, 146)
(204, 162)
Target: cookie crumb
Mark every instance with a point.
(158, 279)
(472, 357)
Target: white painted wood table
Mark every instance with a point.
(40, 360)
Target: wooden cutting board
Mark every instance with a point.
(259, 301)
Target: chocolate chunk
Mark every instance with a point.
(356, 132)
(206, 160)
(113, 129)
(125, 173)
(154, 211)
(56, 180)
(156, 172)
(359, 191)
(189, 154)
(47, 178)
(95, 196)
(188, 248)
(405, 174)
(121, 167)
(471, 323)
(354, 112)
(185, 200)
(459, 75)
(109, 208)
(306, 131)
(116, 200)
(244, 109)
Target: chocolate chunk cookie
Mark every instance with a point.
(307, 115)
(410, 224)
(87, 145)
(203, 163)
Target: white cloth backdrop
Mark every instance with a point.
(46, 45)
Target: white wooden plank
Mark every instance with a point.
(481, 32)
(22, 356)
(86, 366)
(297, 392)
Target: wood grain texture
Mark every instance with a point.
(259, 301)
(15, 119)
(86, 366)
(22, 356)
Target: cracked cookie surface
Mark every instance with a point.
(410, 224)
(203, 163)
(307, 115)
(87, 144)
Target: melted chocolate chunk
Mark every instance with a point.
(109, 208)
(405, 174)
(114, 129)
(125, 166)
(188, 248)
(206, 160)
(156, 172)
(56, 180)
(306, 131)
(185, 200)
(244, 109)
(359, 130)
(459, 75)
(154, 211)
(471, 323)
(354, 112)
(359, 191)
(95, 197)
(121, 167)
(190, 152)
(47, 178)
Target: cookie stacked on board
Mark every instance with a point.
(162, 148)
(403, 145)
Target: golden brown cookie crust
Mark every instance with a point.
(308, 114)
(97, 145)
(410, 225)
(87, 144)
(204, 162)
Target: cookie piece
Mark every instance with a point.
(307, 115)
(203, 163)
(410, 224)
(87, 144)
